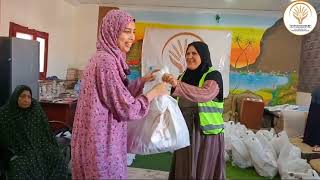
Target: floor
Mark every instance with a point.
(138, 173)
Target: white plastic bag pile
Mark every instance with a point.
(164, 128)
(291, 166)
(267, 152)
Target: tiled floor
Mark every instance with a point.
(137, 173)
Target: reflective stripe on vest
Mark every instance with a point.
(210, 113)
(212, 126)
(208, 109)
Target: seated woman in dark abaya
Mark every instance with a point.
(30, 150)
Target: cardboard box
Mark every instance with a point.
(293, 122)
(72, 74)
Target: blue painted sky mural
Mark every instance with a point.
(256, 81)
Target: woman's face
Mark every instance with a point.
(126, 37)
(24, 100)
(193, 58)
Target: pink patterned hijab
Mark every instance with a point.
(111, 26)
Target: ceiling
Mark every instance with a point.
(270, 5)
(256, 5)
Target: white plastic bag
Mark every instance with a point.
(298, 167)
(310, 174)
(240, 130)
(226, 156)
(263, 160)
(267, 134)
(228, 131)
(290, 161)
(266, 144)
(240, 154)
(130, 158)
(164, 129)
(279, 141)
(158, 79)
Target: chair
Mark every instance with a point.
(59, 127)
(6, 154)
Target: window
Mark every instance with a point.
(22, 32)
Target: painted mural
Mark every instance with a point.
(247, 33)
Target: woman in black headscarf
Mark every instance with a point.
(200, 85)
(31, 150)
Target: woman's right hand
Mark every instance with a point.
(158, 90)
(169, 78)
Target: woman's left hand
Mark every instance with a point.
(150, 76)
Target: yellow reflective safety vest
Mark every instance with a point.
(210, 113)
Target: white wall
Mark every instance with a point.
(86, 26)
(55, 17)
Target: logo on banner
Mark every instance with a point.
(175, 48)
(300, 18)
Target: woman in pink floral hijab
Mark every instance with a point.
(106, 102)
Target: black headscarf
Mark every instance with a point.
(13, 100)
(193, 77)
